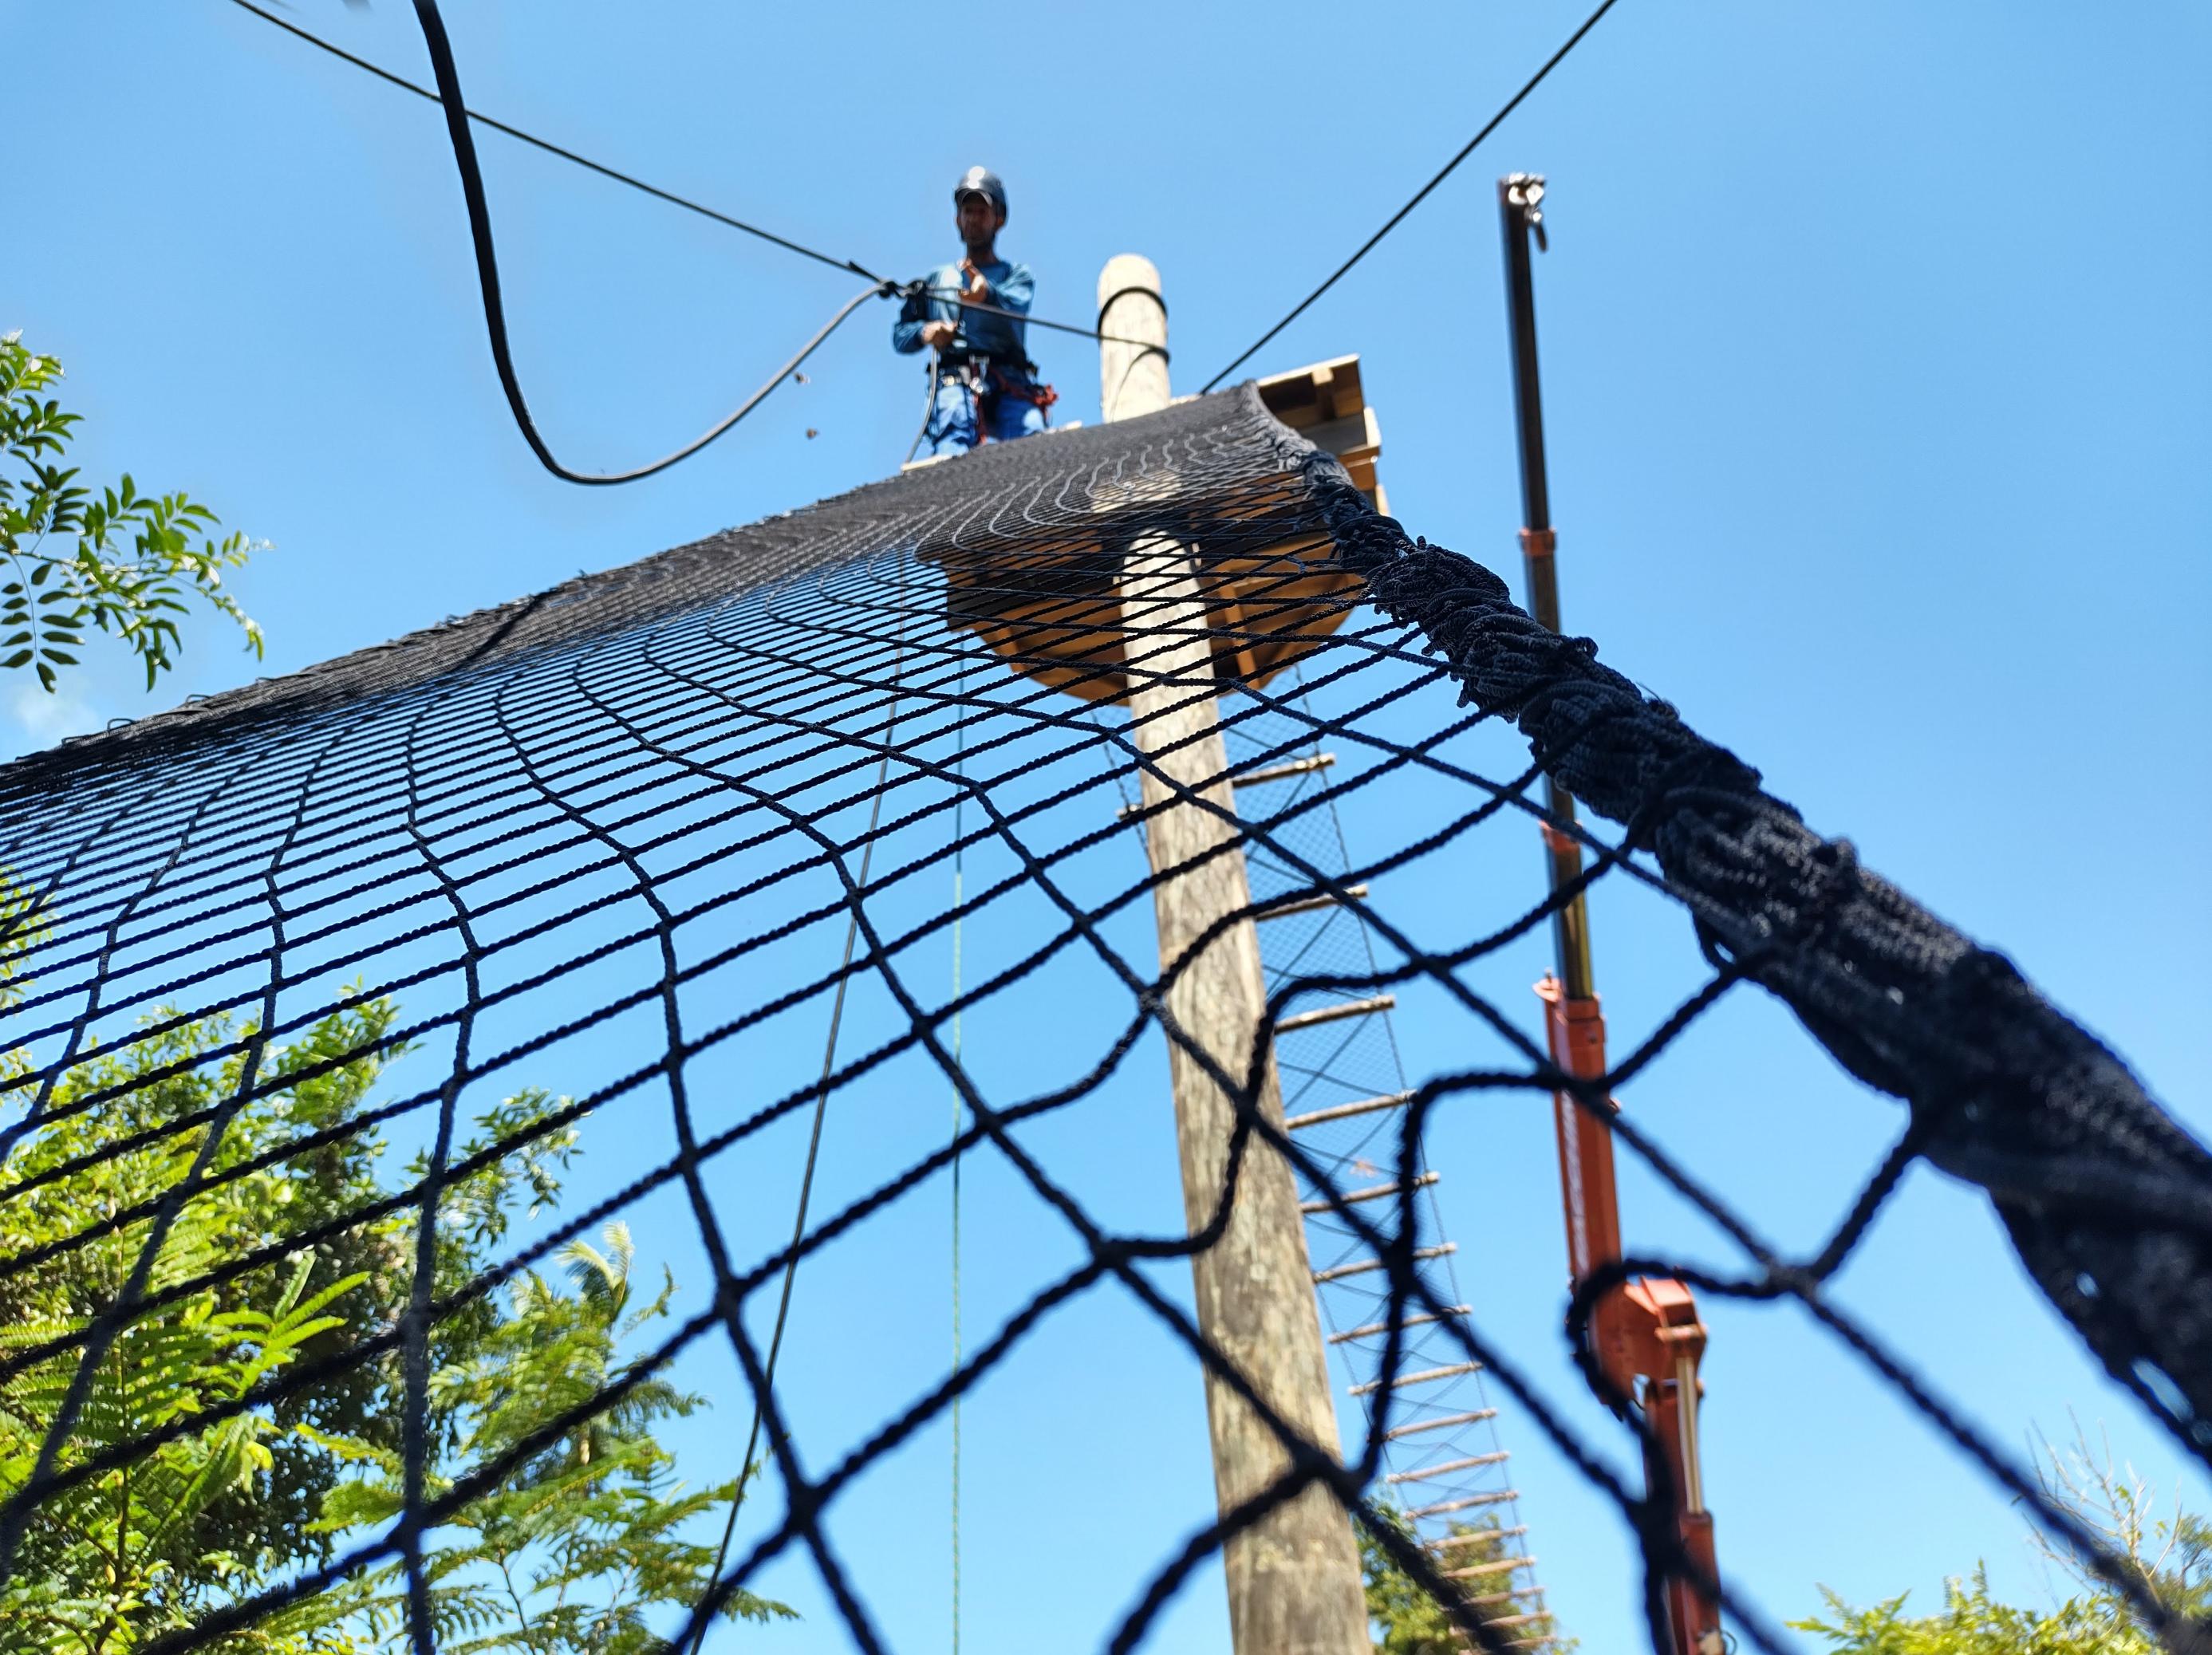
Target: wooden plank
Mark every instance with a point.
(1313, 394)
(1472, 1416)
(1512, 1596)
(1308, 904)
(1427, 1376)
(1336, 1013)
(1373, 1193)
(1479, 1538)
(1504, 1496)
(1375, 1329)
(1502, 1566)
(1367, 1265)
(1430, 1473)
(1305, 765)
(1347, 1111)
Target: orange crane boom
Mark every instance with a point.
(1644, 1333)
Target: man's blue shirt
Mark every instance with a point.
(1003, 337)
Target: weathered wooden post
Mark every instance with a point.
(1294, 1582)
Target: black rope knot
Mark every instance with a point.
(2003, 1089)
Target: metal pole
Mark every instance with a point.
(1571, 1013)
(1293, 1577)
(1517, 197)
(1645, 1332)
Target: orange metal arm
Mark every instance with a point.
(1647, 1337)
(1646, 1334)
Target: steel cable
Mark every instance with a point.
(1419, 195)
(645, 186)
(494, 308)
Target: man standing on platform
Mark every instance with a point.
(983, 384)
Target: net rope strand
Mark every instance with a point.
(959, 881)
(805, 1197)
(584, 840)
(813, 1148)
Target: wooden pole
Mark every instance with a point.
(1294, 1580)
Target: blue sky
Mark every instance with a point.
(1879, 385)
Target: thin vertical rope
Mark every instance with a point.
(959, 1121)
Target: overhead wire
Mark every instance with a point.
(551, 149)
(631, 180)
(957, 296)
(458, 115)
(473, 191)
(1419, 196)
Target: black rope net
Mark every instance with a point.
(316, 989)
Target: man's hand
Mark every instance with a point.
(978, 288)
(937, 335)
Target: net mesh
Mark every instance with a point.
(1343, 1081)
(589, 874)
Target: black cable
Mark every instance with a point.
(638, 184)
(928, 407)
(1420, 195)
(552, 149)
(955, 294)
(465, 157)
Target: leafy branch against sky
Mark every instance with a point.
(78, 558)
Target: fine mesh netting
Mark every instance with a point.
(316, 991)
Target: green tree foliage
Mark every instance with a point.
(74, 558)
(152, 1544)
(1972, 1623)
(1409, 1622)
(2167, 1551)
(570, 1555)
(595, 1532)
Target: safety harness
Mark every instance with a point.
(986, 379)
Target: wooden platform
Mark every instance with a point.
(1054, 611)
(1325, 405)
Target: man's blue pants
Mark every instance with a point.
(960, 419)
